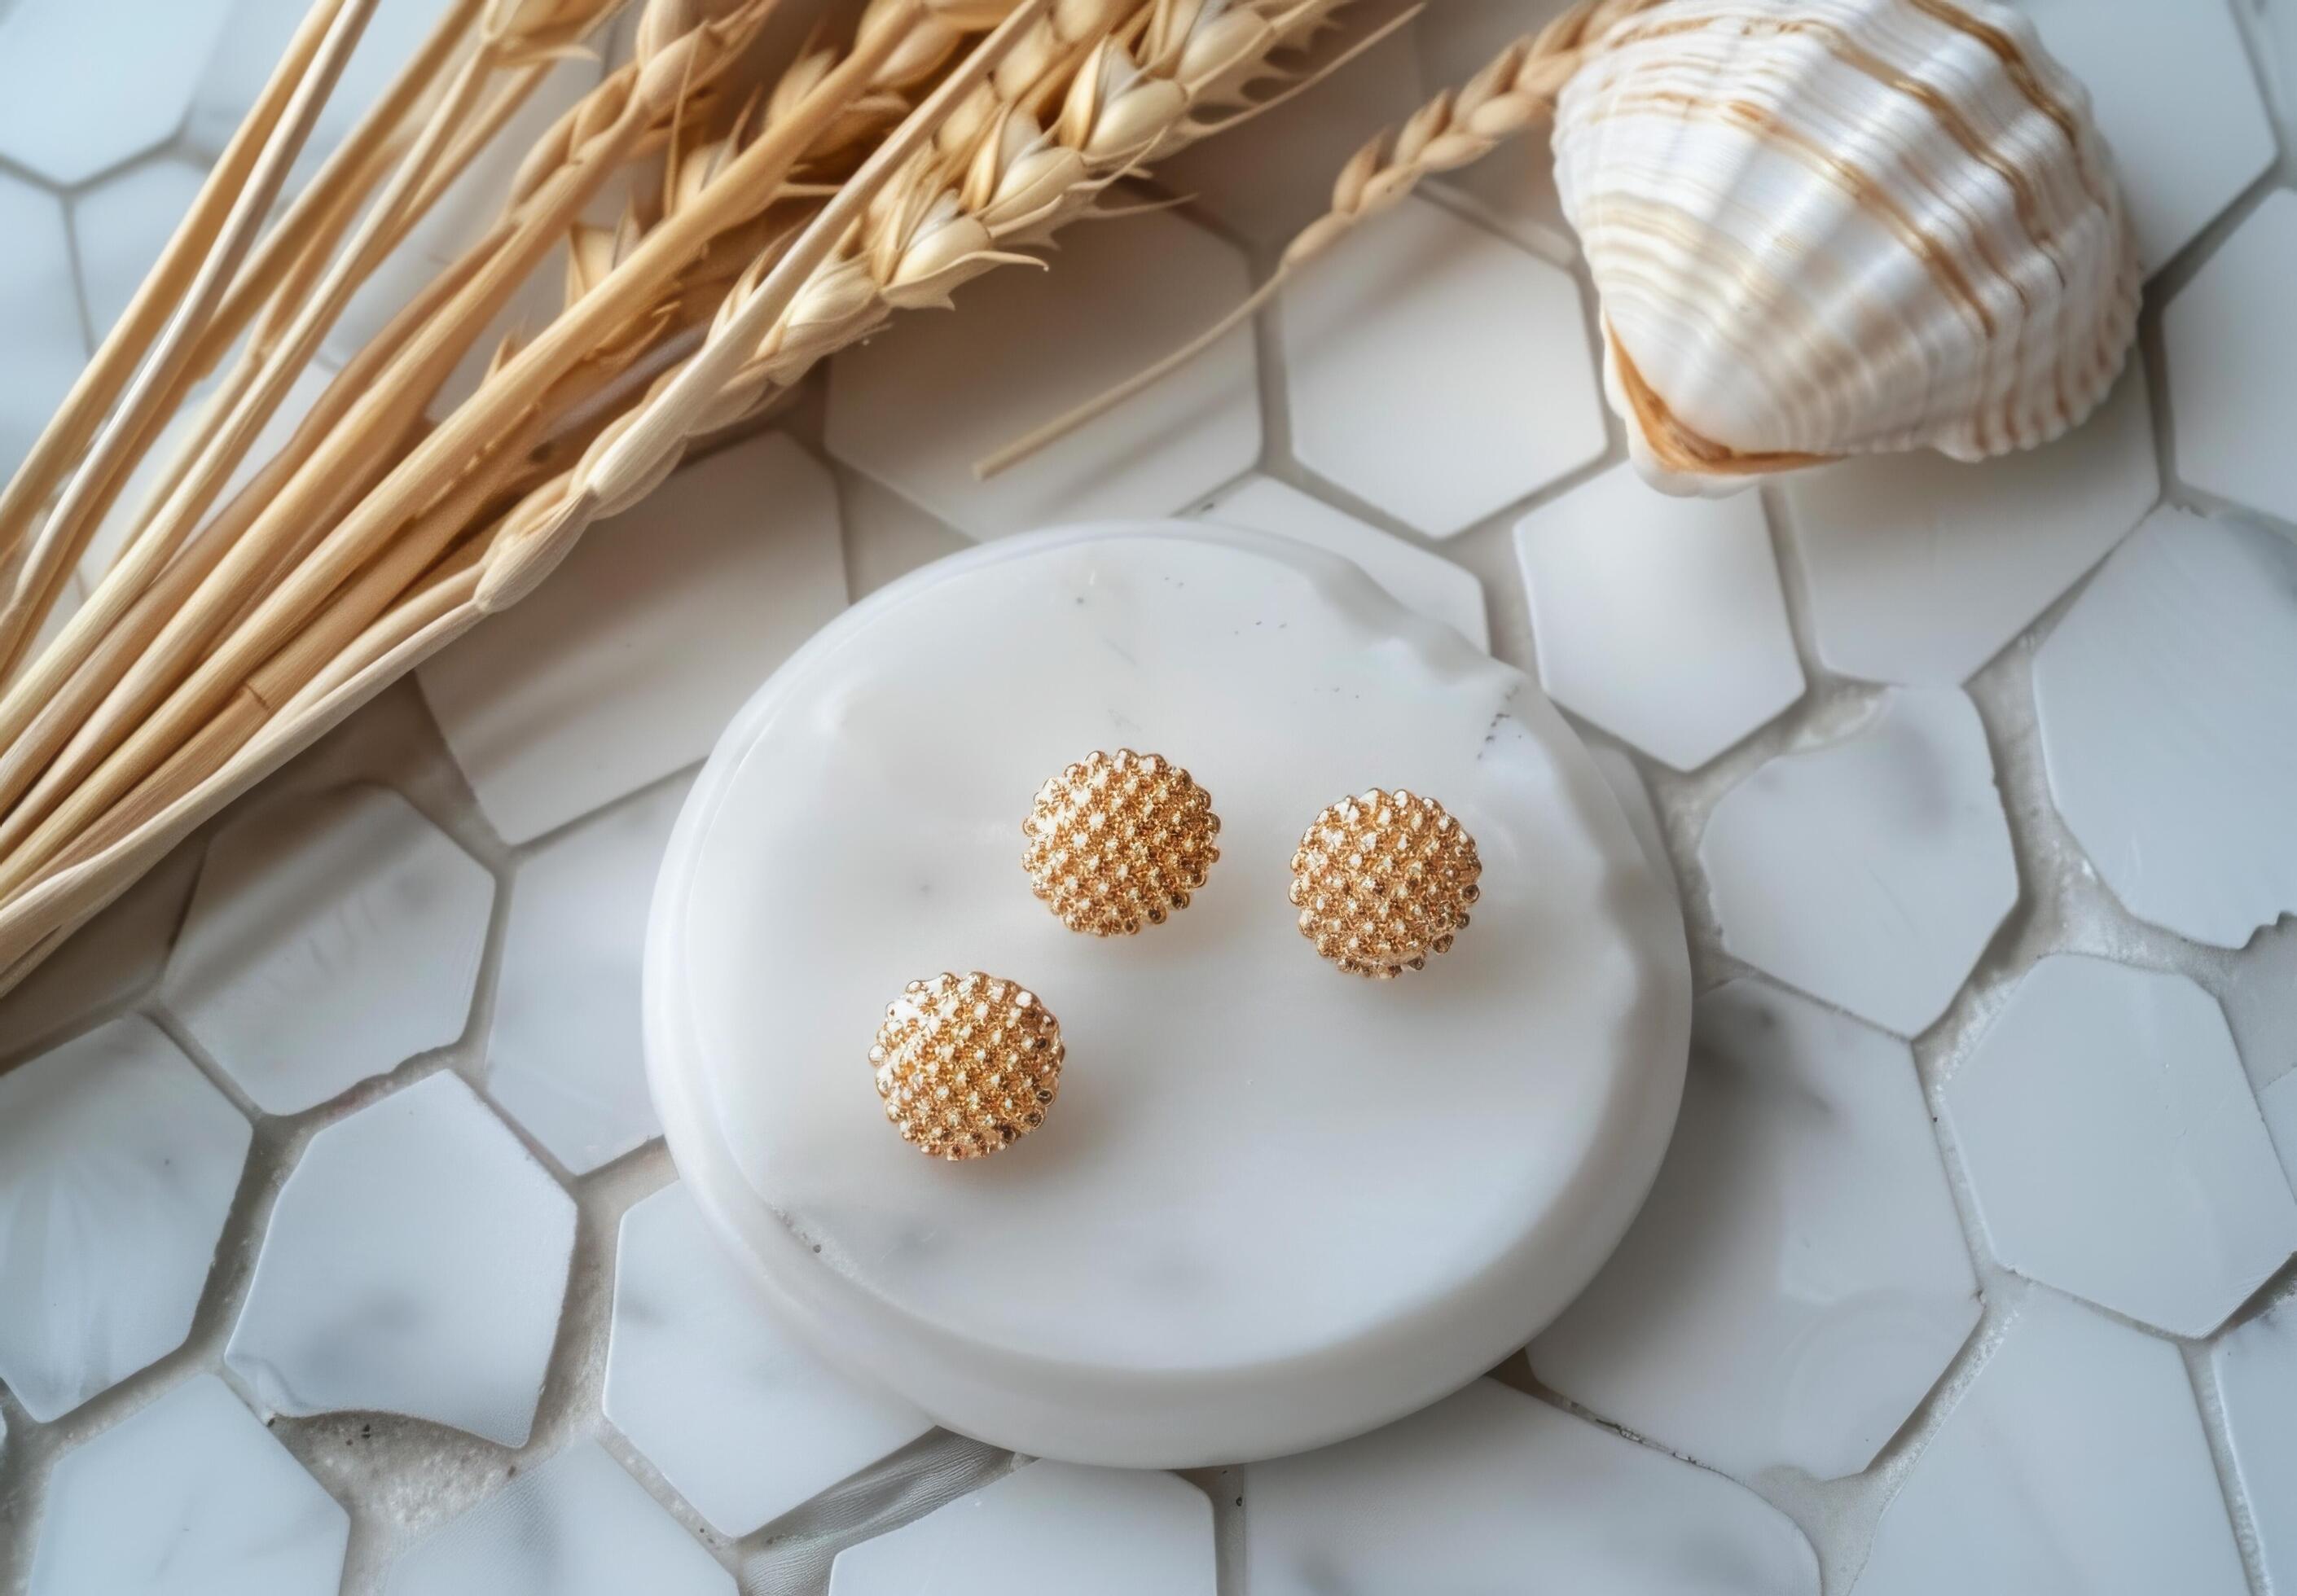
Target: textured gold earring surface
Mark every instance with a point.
(1118, 841)
(1383, 881)
(967, 1065)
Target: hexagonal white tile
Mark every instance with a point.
(1796, 1281)
(39, 316)
(66, 125)
(1489, 1483)
(1871, 871)
(253, 40)
(1921, 568)
(565, 1058)
(301, 895)
(1414, 578)
(1438, 371)
(2173, 93)
(1048, 1529)
(1118, 297)
(629, 661)
(2075, 1461)
(2165, 698)
(578, 1526)
(414, 1265)
(120, 225)
(2113, 1146)
(1281, 178)
(743, 1422)
(886, 535)
(188, 1496)
(2257, 1383)
(2232, 352)
(1658, 618)
(118, 1161)
(112, 957)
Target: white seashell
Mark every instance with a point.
(1826, 228)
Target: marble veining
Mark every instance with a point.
(2164, 699)
(189, 1496)
(578, 1526)
(2113, 1146)
(297, 897)
(1467, 1495)
(1869, 871)
(1658, 618)
(1426, 403)
(1797, 1279)
(565, 1058)
(118, 1161)
(742, 1421)
(1049, 1529)
(447, 1306)
(2075, 1461)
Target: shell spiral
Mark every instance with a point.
(1827, 228)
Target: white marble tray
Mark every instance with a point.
(1275, 1205)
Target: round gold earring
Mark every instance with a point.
(967, 1065)
(1383, 882)
(1118, 841)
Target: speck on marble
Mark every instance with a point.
(144, 478)
(2231, 345)
(2256, 1368)
(2172, 88)
(1658, 618)
(1796, 1281)
(1283, 181)
(2074, 1462)
(577, 1525)
(39, 311)
(118, 1161)
(2165, 698)
(119, 227)
(2113, 1146)
(190, 1497)
(1119, 297)
(414, 1265)
(628, 660)
(1414, 578)
(73, 101)
(232, 76)
(1872, 871)
(1438, 371)
(1048, 1529)
(565, 1058)
(332, 937)
(1921, 568)
(742, 1421)
(1489, 1489)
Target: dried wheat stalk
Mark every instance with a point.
(1513, 93)
(221, 652)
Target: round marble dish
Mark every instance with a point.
(1275, 1205)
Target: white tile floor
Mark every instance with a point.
(313, 1126)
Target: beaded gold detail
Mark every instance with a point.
(1118, 841)
(967, 1065)
(1383, 882)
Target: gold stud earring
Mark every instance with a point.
(967, 1065)
(1118, 841)
(1383, 882)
